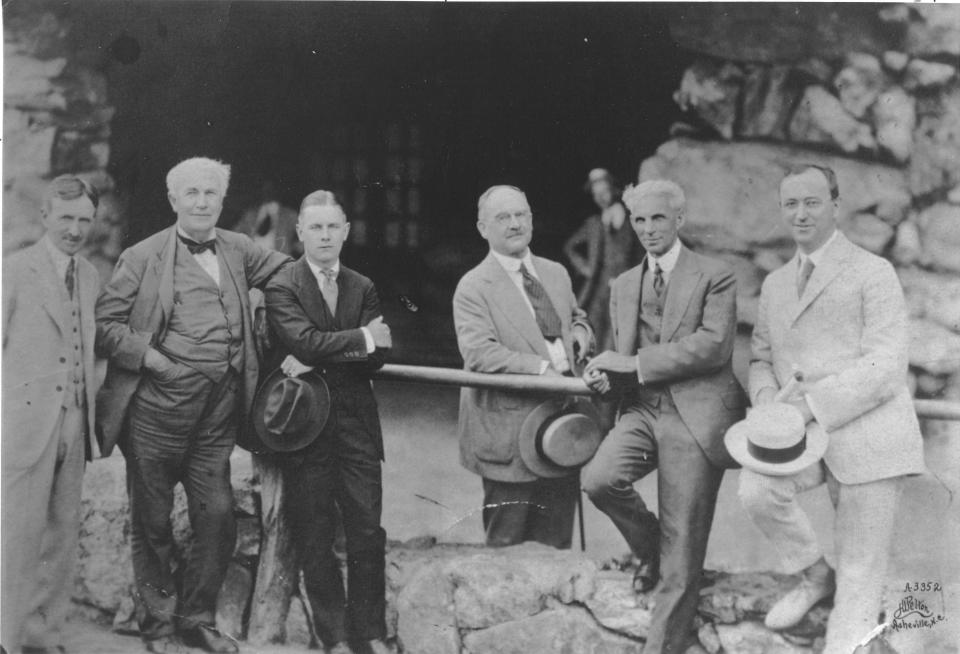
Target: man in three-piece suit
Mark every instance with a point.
(837, 313)
(674, 321)
(514, 313)
(49, 387)
(327, 317)
(174, 322)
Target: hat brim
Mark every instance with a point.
(736, 442)
(527, 440)
(268, 442)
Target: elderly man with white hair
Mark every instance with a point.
(674, 319)
(174, 322)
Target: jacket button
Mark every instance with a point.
(63, 360)
(59, 388)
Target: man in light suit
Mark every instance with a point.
(674, 319)
(514, 313)
(327, 316)
(174, 322)
(49, 388)
(837, 313)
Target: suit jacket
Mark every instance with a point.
(497, 333)
(301, 321)
(693, 358)
(135, 306)
(848, 334)
(35, 351)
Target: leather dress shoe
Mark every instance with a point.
(210, 640)
(34, 649)
(339, 648)
(790, 609)
(379, 647)
(646, 575)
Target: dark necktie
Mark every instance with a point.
(658, 280)
(329, 289)
(547, 318)
(70, 279)
(805, 271)
(197, 248)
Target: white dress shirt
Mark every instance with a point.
(322, 279)
(61, 260)
(555, 347)
(817, 255)
(207, 259)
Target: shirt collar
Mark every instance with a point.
(512, 264)
(318, 271)
(60, 258)
(817, 255)
(213, 234)
(669, 259)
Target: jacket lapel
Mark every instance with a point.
(42, 264)
(830, 266)
(628, 309)
(310, 296)
(507, 296)
(683, 279)
(163, 269)
(348, 311)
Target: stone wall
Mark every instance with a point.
(873, 92)
(56, 119)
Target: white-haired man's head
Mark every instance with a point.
(196, 188)
(505, 220)
(656, 213)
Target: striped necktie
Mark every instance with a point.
(547, 318)
(805, 271)
(329, 290)
(71, 278)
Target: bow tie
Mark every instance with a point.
(197, 248)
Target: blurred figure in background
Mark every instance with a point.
(270, 224)
(603, 248)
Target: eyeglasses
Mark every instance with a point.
(504, 217)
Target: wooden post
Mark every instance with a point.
(277, 572)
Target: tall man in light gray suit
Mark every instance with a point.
(49, 387)
(514, 313)
(837, 313)
(674, 319)
(175, 323)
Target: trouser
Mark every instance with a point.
(540, 511)
(651, 435)
(182, 430)
(339, 474)
(863, 528)
(41, 524)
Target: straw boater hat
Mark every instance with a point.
(290, 412)
(558, 437)
(773, 440)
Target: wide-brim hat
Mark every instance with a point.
(772, 440)
(289, 413)
(558, 437)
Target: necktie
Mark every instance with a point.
(197, 248)
(805, 271)
(547, 319)
(71, 276)
(658, 280)
(329, 290)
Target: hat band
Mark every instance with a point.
(777, 454)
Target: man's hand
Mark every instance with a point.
(801, 404)
(581, 343)
(550, 371)
(292, 367)
(155, 362)
(610, 361)
(597, 381)
(380, 332)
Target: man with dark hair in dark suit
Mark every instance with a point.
(327, 317)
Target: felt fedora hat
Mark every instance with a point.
(773, 440)
(290, 412)
(559, 436)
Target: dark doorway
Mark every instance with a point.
(408, 110)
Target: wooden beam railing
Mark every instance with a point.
(930, 409)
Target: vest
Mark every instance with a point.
(649, 322)
(75, 392)
(205, 330)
